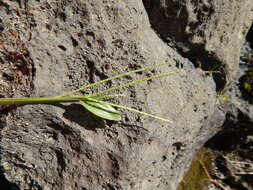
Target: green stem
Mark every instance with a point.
(39, 100)
(48, 100)
(227, 98)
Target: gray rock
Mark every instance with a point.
(208, 31)
(241, 112)
(72, 43)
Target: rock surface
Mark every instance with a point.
(209, 32)
(233, 145)
(66, 44)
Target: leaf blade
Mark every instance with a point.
(99, 109)
(130, 109)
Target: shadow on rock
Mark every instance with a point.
(78, 114)
(5, 184)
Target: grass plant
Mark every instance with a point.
(94, 103)
(221, 95)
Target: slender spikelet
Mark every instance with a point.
(94, 102)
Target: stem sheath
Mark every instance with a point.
(39, 100)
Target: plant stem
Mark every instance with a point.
(48, 100)
(39, 100)
(227, 98)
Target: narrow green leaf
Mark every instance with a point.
(130, 109)
(102, 110)
(227, 98)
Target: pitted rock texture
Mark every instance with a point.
(72, 43)
(210, 32)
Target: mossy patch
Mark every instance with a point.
(198, 177)
(247, 81)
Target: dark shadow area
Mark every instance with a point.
(249, 36)
(233, 142)
(208, 63)
(5, 184)
(246, 95)
(233, 135)
(73, 112)
(78, 114)
(164, 19)
(246, 80)
(234, 184)
(249, 179)
(132, 127)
